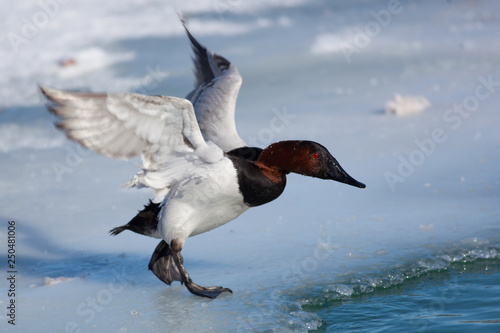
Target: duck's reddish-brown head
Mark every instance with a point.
(306, 158)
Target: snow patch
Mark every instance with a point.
(404, 105)
(53, 281)
(14, 137)
(90, 59)
(330, 43)
(49, 42)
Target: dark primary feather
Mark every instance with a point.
(214, 96)
(204, 69)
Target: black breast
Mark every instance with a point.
(255, 187)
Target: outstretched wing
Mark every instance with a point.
(122, 125)
(214, 98)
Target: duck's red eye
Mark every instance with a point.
(315, 155)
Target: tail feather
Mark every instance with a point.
(117, 230)
(162, 264)
(144, 223)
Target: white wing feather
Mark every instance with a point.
(163, 129)
(214, 98)
(168, 132)
(214, 104)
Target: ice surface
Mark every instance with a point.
(432, 195)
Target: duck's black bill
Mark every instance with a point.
(354, 182)
(338, 174)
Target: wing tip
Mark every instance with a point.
(47, 92)
(195, 45)
(54, 95)
(207, 64)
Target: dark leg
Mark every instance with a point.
(167, 264)
(210, 292)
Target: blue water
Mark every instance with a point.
(464, 297)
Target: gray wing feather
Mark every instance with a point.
(214, 98)
(123, 125)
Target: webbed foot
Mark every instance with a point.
(168, 265)
(209, 292)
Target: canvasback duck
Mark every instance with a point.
(202, 173)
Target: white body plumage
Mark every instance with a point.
(202, 199)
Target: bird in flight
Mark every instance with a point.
(201, 172)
